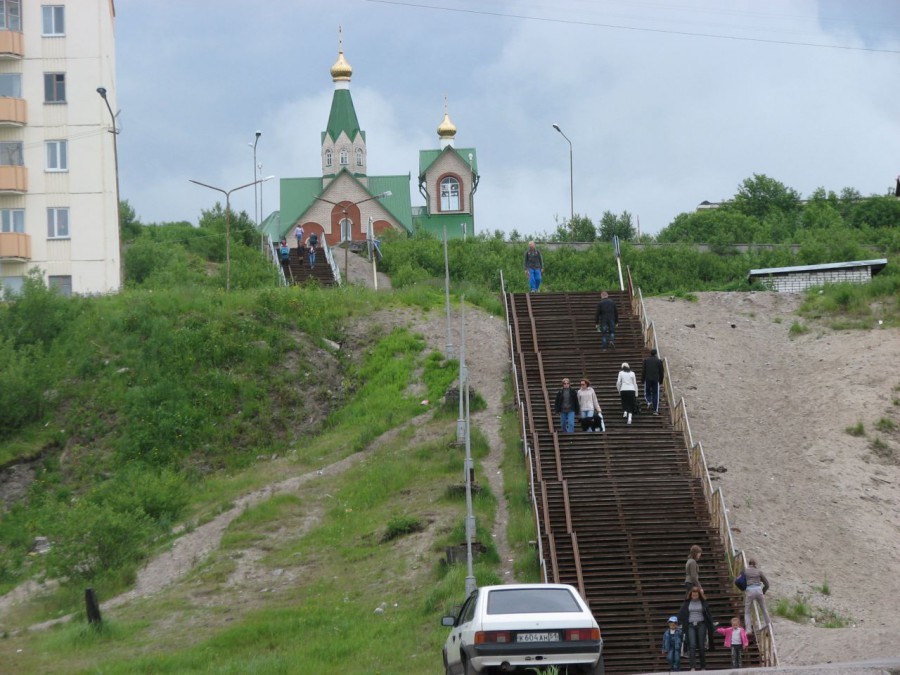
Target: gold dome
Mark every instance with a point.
(341, 70)
(446, 129)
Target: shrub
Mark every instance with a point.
(93, 538)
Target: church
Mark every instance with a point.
(346, 204)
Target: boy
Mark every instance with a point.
(736, 638)
(673, 639)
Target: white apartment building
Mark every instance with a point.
(58, 192)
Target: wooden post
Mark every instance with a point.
(93, 607)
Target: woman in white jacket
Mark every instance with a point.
(588, 405)
(627, 387)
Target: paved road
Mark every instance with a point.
(875, 667)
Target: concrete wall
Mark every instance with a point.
(795, 282)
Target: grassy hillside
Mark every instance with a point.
(148, 414)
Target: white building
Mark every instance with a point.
(58, 194)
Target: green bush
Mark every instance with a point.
(92, 539)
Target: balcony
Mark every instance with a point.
(12, 44)
(15, 246)
(13, 112)
(13, 179)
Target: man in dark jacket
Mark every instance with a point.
(565, 405)
(607, 318)
(652, 375)
(534, 267)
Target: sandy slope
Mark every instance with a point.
(810, 501)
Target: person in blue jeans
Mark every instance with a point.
(607, 318)
(652, 374)
(312, 243)
(565, 405)
(534, 267)
(673, 639)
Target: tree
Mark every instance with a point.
(131, 225)
(760, 195)
(621, 225)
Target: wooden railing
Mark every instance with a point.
(715, 498)
(526, 446)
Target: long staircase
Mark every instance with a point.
(298, 271)
(617, 511)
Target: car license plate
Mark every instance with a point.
(537, 637)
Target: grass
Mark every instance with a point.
(886, 425)
(856, 430)
(800, 610)
(797, 329)
(825, 588)
(335, 574)
(521, 528)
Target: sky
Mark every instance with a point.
(666, 103)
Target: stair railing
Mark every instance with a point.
(274, 257)
(715, 498)
(335, 269)
(526, 447)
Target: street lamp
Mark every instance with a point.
(115, 132)
(571, 180)
(255, 178)
(227, 194)
(344, 208)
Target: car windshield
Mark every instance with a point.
(531, 601)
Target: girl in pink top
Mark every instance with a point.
(736, 639)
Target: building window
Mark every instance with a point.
(10, 14)
(11, 85)
(11, 285)
(57, 155)
(329, 158)
(345, 159)
(346, 229)
(12, 220)
(449, 194)
(54, 87)
(57, 223)
(54, 19)
(60, 284)
(359, 157)
(11, 153)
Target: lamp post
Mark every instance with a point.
(344, 209)
(115, 132)
(255, 178)
(227, 194)
(571, 180)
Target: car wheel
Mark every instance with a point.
(468, 669)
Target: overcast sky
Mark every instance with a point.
(667, 103)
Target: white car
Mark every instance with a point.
(504, 629)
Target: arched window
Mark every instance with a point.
(346, 229)
(345, 159)
(359, 157)
(449, 194)
(329, 158)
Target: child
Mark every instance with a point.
(673, 639)
(736, 638)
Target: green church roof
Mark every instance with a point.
(342, 117)
(298, 195)
(429, 157)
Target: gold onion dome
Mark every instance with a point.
(341, 70)
(446, 129)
